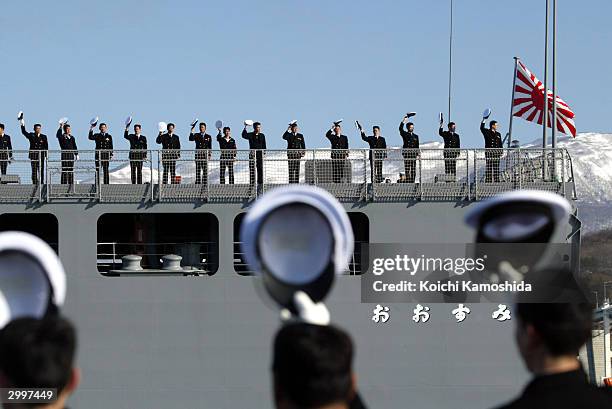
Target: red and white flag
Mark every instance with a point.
(528, 102)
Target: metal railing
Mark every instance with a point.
(241, 175)
(354, 266)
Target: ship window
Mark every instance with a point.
(41, 225)
(361, 230)
(193, 236)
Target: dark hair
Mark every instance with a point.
(226, 128)
(1, 126)
(451, 124)
(256, 124)
(66, 126)
(312, 364)
(492, 123)
(203, 123)
(103, 123)
(38, 353)
(37, 126)
(137, 126)
(376, 127)
(408, 124)
(170, 124)
(564, 328)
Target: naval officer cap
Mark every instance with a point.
(519, 216)
(32, 278)
(298, 238)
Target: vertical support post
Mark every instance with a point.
(554, 75)
(150, 160)
(512, 103)
(476, 174)
(545, 116)
(520, 167)
(159, 177)
(420, 161)
(554, 89)
(450, 61)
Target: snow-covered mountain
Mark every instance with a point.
(591, 155)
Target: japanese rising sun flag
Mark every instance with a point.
(528, 102)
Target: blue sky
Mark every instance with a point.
(278, 60)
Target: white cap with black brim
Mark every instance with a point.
(32, 278)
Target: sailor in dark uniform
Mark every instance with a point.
(410, 150)
(227, 144)
(549, 337)
(6, 150)
(493, 150)
(339, 153)
(378, 152)
(452, 144)
(104, 151)
(38, 151)
(203, 145)
(138, 152)
(257, 143)
(295, 151)
(171, 145)
(68, 146)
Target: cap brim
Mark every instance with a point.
(43, 254)
(310, 195)
(559, 206)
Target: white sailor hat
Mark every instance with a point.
(518, 216)
(162, 126)
(128, 121)
(32, 278)
(486, 113)
(338, 122)
(248, 122)
(194, 122)
(218, 123)
(93, 121)
(297, 238)
(293, 122)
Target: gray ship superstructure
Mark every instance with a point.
(200, 336)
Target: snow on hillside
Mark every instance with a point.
(591, 155)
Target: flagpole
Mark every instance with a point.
(512, 102)
(545, 119)
(450, 61)
(554, 76)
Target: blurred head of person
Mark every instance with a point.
(170, 128)
(337, 129)
(294, 128)
(67, 129)
(410, 127)
(493, 125)
(257, 127)
(39, 353)
(227, 132)
(103, 127)
(550, 335)
(376, 130)
(37, 129)
(452, 126)
(1, 129)
(312, 367)
(137, 129)
(202, 127)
